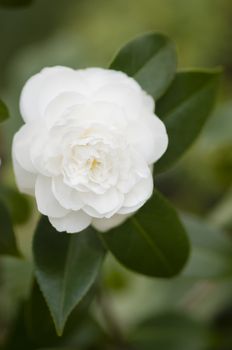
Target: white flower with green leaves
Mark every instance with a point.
(88, 145)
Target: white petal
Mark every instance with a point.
(148, 102)
(131, 210)
(46, 201)
(104, 225)
(22, 142)
(24, 179)
(149, 137)
(92, 212)
(43, 87)
(68, 197)
(96, 78)
(60, 104)
(98, 112)
(140, 193)
(74, 221)
(95, 214)
(103, 203)
(122, 95)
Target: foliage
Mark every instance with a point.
(157, 242)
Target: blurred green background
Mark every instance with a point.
(81, 33)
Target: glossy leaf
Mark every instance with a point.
(8, 245)
(184, 109)
(149, 59)
(38, 321)
(211, 255)
(4, 114)
(152, 242)
(66, 266)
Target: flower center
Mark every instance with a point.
(95, 163)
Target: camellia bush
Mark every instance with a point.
(92, 145)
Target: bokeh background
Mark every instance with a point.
(81, 33)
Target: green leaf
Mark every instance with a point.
(66, 266)
(171, 331)
(211, 255)
(13, 3)
(149, 59)
(39, 324)
(152, 242)
(8, 244)
(184, 109)
(4, 114)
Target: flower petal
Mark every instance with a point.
(24, 179)
(60, 104)
(43, 87)
(104, 225)
(138, 195)
(46, 201)
(149, 137)
(22, 142)
(96, 78)
(68, 197)
(130, 100)
(103, 203)
(74, 221)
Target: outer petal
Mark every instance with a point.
(60, 104)
(149, 137)
(104, 225)
(96, 78)
(74, 221)
(44, 87)
(68, 197)
(99, 112)
(131, 210)
(103, 203)
(129, 99)
(22, 142)
(46, 202)
(95, 214)
(24, 179)
(140, 192)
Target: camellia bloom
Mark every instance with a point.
(88, 145)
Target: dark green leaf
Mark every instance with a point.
(33, 327)
(66, 266)
(211, 255)
(171, 331)
(17, 204)
(8, 244)
(4, 114)
(184, 109)
(39, 324)
(152, 242)
(151, 60)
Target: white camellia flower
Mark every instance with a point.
(87, 147)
